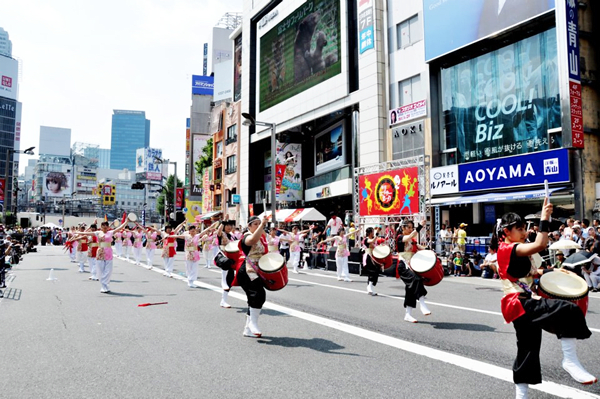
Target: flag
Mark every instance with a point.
(105, 218)
(124, 218)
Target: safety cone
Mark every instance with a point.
(51, 276)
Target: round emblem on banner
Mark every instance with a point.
(386, 193)
(185, 210)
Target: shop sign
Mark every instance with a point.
(407, 112)
(444, 180)
(520, 170)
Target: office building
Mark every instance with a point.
(104, 158)
(130, 131)
(5, 43)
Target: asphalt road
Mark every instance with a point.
(321, 338)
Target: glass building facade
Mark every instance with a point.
(8, 111)
(130, 131)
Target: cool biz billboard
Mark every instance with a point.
(503, 103)
(300, 52)
(203, 85)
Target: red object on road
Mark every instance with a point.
(150, 304)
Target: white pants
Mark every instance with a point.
(137, 254)
(73, 254)
(81, 257)
(118, 248)
(126, 251)
(105, 268)
(92, 263)
(168, 264)
(191, 270)
(209, 256)
(341, 263)
(149, 256)
(592, 279)
(295, 259)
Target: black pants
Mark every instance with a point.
(230, 277)
(285, 252)
(563, 318)
(414, 285)
(254, 289)
(2, 275)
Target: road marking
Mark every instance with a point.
(473, 365)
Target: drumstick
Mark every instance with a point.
(547, 195)
(150, 304)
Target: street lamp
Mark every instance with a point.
(159, 160)
(250, 121)
(9, 151)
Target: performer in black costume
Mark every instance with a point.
(406, 245)
(225, 236)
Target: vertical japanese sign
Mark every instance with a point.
(2, 189)
(395, 192)
(574, 74)
(366, 32)
(178, 198)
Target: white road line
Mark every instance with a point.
(473, 365)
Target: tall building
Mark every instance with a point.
(130, 131)
(5, 43)
(104, 158)
(10, 110)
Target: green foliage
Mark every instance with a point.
(160, 200)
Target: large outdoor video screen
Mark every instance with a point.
(505, 102)
(301, 51)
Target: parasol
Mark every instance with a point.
(565, 244)
(579, 258)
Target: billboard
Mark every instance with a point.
(222, 63)
(478, 20)
(391, 193)
(237, 68)
(140, 160)
(203, 85)
(9, 76)
(56, 184)
(198, 143)
(304, 49)
(503, 103)
(194, 208)
(145, 162)
(330, 149)
(2, 190)
(288, 172)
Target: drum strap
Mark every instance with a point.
(256, 268)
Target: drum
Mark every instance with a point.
(273, 271)
(558, 285)
(116, 223)
(426, 264)
(383, 254)
(132, 217)
(232, 251)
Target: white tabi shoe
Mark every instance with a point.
(253, 324)
(247, 332)
(224, 303)
(408, 316)
(571, 363)
(521, 391)
(424, 309)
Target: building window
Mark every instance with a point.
(218, 175)
(408, 32)
(231, 165)
(230, 195)
(220, 149)
(410, 91)
(231, 134)
(218, 200)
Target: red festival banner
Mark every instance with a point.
(395, 192)
(279, 172)
(2, 181)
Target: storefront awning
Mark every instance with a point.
(295, 215)
(493, 197)
(210, 215)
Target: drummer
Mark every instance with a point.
(225, 236)
(151, 235)
(529, 313)
(372, 266)
(254, 246)
(407, 246)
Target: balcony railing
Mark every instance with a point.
(230, 140)
(230, 171)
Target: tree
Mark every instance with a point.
(206, 159)
(160, 200)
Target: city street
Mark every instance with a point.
(321, 338)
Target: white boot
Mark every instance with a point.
(224, 303)
(408, 316)
(295, 268)
(424, 309)
(247, 332)
(521, 391)
(571, 363)
(253, 324)
(371, 289)
(224, 285)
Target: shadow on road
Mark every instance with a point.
(460, 326)
(112, 293)
(13, 293)
(317, 344)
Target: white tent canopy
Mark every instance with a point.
(51, 226)
(295, 215)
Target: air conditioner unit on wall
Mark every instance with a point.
(262, 195)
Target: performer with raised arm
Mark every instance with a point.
(341, 255)
(254, 246)
(530, 313)
(104, 256)
(371, 265)
(118, 242)
(82, 247)
(295, 248)
(225, 236)
(138, 237)
(151, 234)
(169, 247)
(210, 247)
(92, 252)
(407, 246)
(127, 244)
(192, 254)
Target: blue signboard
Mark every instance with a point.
(452, 24)
(203, 85)
(520, 170)
(235, 199)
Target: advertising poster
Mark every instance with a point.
(206, 193)
(140, 160)
(194, 208)
(2, 190)
(56, 184)
(153, 168)
(503, 103)
(203, 85)
(304, 49)
(289, 164)
(9, 75)
(237, 69)
(198, 143)
(178, 198)
(395, 192)
(366, 31)
(478, 20)
(330, 150)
